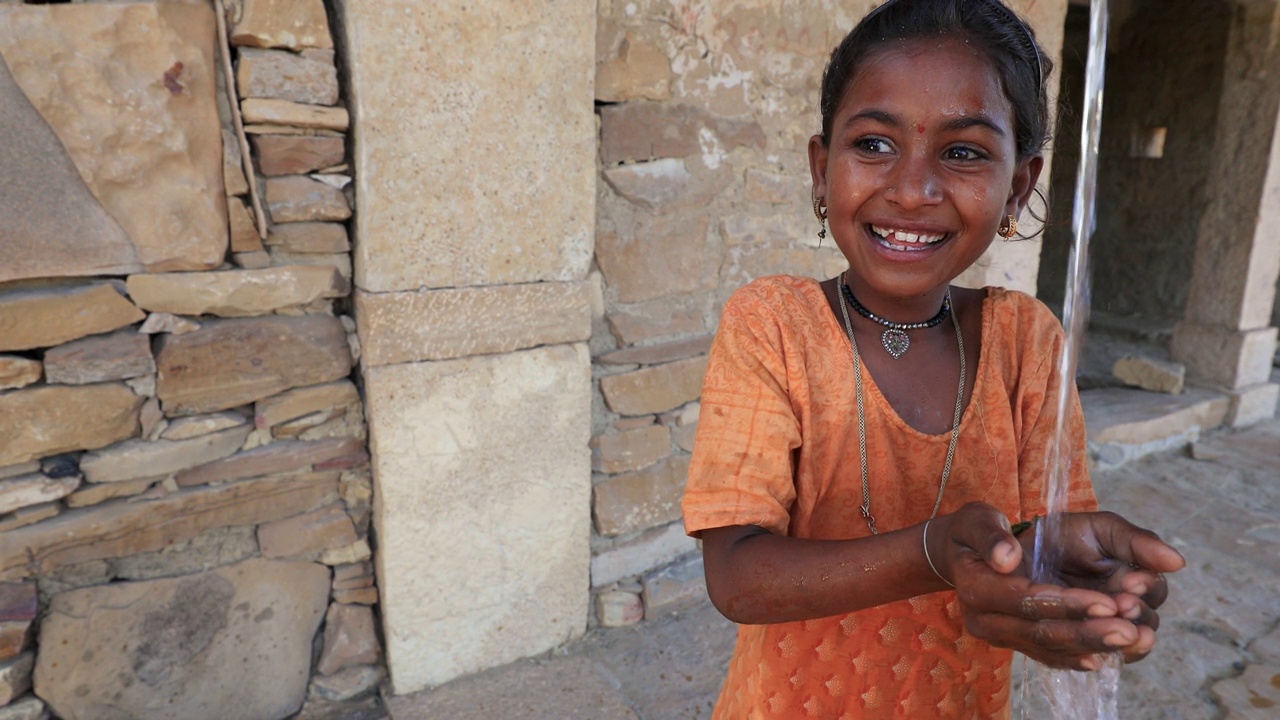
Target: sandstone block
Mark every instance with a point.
(235, 293)
(202, 552)
(167, 323)
(443, 324)
(52, 419)
(483, 423)
(338, 261)
(18, 601)
(12, 471)
(774, 188)
(136, 459)
(297, 154)
(311, 532)
(244, 230)
(273, 459)
(675, 587)
(348, 683)
(255, 260)
(43, 318)
(349, 638)
(102, 358)
(122, 529)
(636, 501)
(668, 184)
(169, 196)
(358, 551)
(309, 77)
(93, 494)
(619, 609)
(228, 363)
(289, 24)
(34, 489)
(29, 516)
(17, 372)
(1252, 405)
(15, 677)
(652, 549)
(355, 575)
(683, 436)
(301, 402)
(28, 708)
(631, 449)
(638, 132)
(662, 318)
(298, 198)
(1123, 416)
(356, 596)
(233, 165)
(231, 643)
(1150, 374)
(638, 71)
(283, 112)
(309, 238)
(197, 425)
(656, 354)
(654, 389)
(14, 637)
(662, 257)
(1225, 357)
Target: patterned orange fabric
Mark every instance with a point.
(777, 446)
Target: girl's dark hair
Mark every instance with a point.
(988, 24)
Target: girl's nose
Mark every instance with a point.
(914, 183)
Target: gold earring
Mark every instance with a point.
(1009, 228)
(822, 220)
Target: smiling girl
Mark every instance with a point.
(866, 442)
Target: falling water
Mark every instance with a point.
(1073, 695)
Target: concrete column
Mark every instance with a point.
(1225, 337)
(474, 167)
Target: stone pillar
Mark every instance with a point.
(1225, 337)
(475, 174)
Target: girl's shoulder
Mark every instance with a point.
(784, 296)
(1023, 330)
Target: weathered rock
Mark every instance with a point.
(276, 458)
(233, 165)
(1253, 695)
(235, 293)
(231, 643)
(654, 389)
(684, 435)
(201, 553)
(310, 238)
(121, 529)
(631, 449)
(636, 501)
(656, 319)
(638, 71)
(1124, 416)
(656, 354)
(355, 575)
(15, 677)
(136, 459)
(301, 402)
(338, 261)
(143, 385)
(616, 608)
(309, 77)
(51, 419)
(357, 551)
(157, 323)
(298, 198)
(310, 533)
(17, 372)
(675, 587)
(668, 184)
(289, 24)
(154, 162)
(14, 637)
(43, 318)
(442, 324)
(18, 601)
(349, 638)
(12, 471)
(197, 425)
(638, 132)
(348, 683)
(663, 257)
(356, 596)
(297, 154)
(102, 358)
(256, 260)
(1150, 374)
(228, 363)
(29, 516)
(652, 549)
(283, 112)
(34, 489)
(151, 418)
(94, 494)
(244, 230)
(28, 708)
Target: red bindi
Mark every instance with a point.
(920, 129)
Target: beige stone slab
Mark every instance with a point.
(300, 402)
(1225, 357)
(1252, 405)
(312, 532)
(244, 229)
(46, 317)
(496, 442)
(293, 24)
(228, 363)
(95, 494)
(26, 468)
(309, 238)
(15, 677)
(309, 77)
(636, 70)
(35, 489)
(278, 129)
(442, 324)
(50, 419)
(119, 529)
(167, 323)
(137, 459)
(630, 450)
(262, 111)
(235, 293)
(297, 154)
(119, 355)
(29, 516)
(638, 132)
(338, 261)
(1150, 374)
(655, 320)
(651, 549)
(298, 198)
(1134, 417)
(197, 425)
(276, 458)
(350, 638)
(640, 500)
(18, 372)
(661, 256)
(14, 638)
(233, 165)
(154, 162)
(656, 354)
(656, 388)
(500, 210)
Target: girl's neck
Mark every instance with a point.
(898, 309)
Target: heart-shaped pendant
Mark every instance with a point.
(895, 342)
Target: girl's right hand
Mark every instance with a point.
(1063, 627)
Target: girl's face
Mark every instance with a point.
(921, 168)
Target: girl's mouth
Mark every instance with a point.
(904, 241)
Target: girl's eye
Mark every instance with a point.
(872, 146)
(964, 154)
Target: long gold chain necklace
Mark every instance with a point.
(862, 417)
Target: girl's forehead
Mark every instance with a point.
(947, 75)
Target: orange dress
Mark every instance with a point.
(777, 446)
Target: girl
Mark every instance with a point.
(865, 441)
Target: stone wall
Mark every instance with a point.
(706, 109)
(185, 494)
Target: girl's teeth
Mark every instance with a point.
(889, 235)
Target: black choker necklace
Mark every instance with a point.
(895, 339)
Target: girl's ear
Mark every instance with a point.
(818, 166)
(1025, 176)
